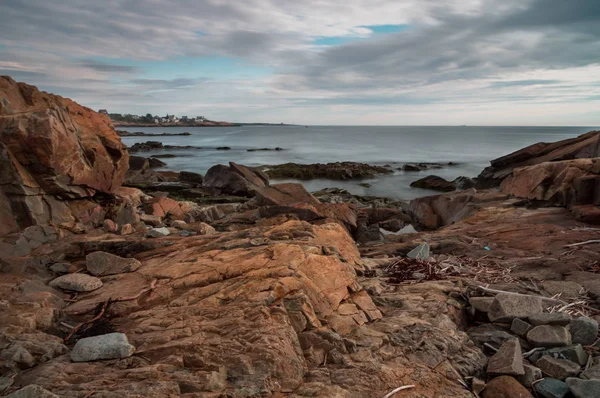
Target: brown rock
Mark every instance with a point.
(110, 226)
(505, 387)
(508, 360)
(126, 229)
(434, 183)
(163, 207)
(285, 195)
(235, 179)
(558, 368)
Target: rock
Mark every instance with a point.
(584, 388)
(126, 229)
(201, 228)
(508, 360)
(140, 171)
(110, 226)
(551, 388)
(149, 219)
(566, 289)
(179, 224)
(162, 206)
(288, 194)
(477, 385)
(61, 268)
(32, 391)
(584, 146)
(549, 336)
(101, 264)
(158, 232)
(531, 375)
(420, 252)
(506, 307)
(189, 218)
(558, 368)
(481, 304)
(574, 353)
(77, 282)
(185, 234)
(191, 177)
(554, 318)
(330, 171)
(593, 372)
(235, 180)
(156, 163)
(505, 387)
(489, 333)
(107, 346)
(463, 182)
(50, 145)
(434, 183)
(584, 330)
(520, 327)
(409, 229)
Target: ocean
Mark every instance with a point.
(470, 146)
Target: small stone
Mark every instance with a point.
(32, 391)
(554, 318)
(110, 226)
(77, 282)
(574, 353)
(558, 368)
(126, 229)
(149, 219)
(107, 346)
(520, 327)
(551, 388)
(549, 336)
(592, 373)
(102, 263)
(188, 218)
(584, 330)
(420, 252)
(158, 232)
(505, 387)
(506, 307)
(508, 360)
(531, 375)
(185, 234)
(418, 275)
(584, 388)
(179, 224)
(477, 385)
(60, 268)
(481, 304)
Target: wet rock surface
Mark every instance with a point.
(332, 171)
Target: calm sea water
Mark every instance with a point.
(471, 147)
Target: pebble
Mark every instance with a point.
(158, 232)
(77, 282)
(106, 346)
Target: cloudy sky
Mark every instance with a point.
(390, 62)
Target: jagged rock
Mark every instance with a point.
(434, 183)
(158, 232)
(508, 360)
(531, 375)
(558, 368)
(520, 327)
(107, 346)
(420, 252)
(549, 336)
(584, 330)
(574, 353)
(77, 282)
(505, 387)
(32, 391)
(554, 318)
(102, 263)
(584, 388)
(288, 194)
(551, 388)
(506, 307)
(110, 226)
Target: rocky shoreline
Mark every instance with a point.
(120, 280)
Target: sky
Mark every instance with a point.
(356, 62)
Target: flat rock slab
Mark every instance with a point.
(32, 391)
(505, 387)
(77, 282)
(158, 232)
(584, 330)
(555, 318)
(508, 360)
(551, 388)
(420, 252)
(102, 263)
(107, 346)
(506, 307)
(549, 336)
(584, 388)
(558, 368)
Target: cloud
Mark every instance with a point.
(530, 82)
(109, 68)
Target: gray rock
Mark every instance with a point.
(409, 229)
(584, 330)
(558, 368)
(481, 304)
(520, 327)
(566, 289)
(592, 373)
(158, 232)
(489, 333)
(102, 263)
(554, 318)
(508, 360)
(185, 233)
(506, 307)
(551, 388)
(60, 268)
(531, 375)
(574, 353)
(32, 391)
(549, 336)
(107, 346)
(420, 252)
(77, 282)
(584, 388)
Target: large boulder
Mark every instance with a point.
(51, 147)
(235, 179)
(584, 146)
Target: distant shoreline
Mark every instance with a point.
(209, 124)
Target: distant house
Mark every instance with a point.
(103, 111)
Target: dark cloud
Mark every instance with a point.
(106, 67)
(167, 84)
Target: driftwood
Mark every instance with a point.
(587, 242)
(397, 390)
